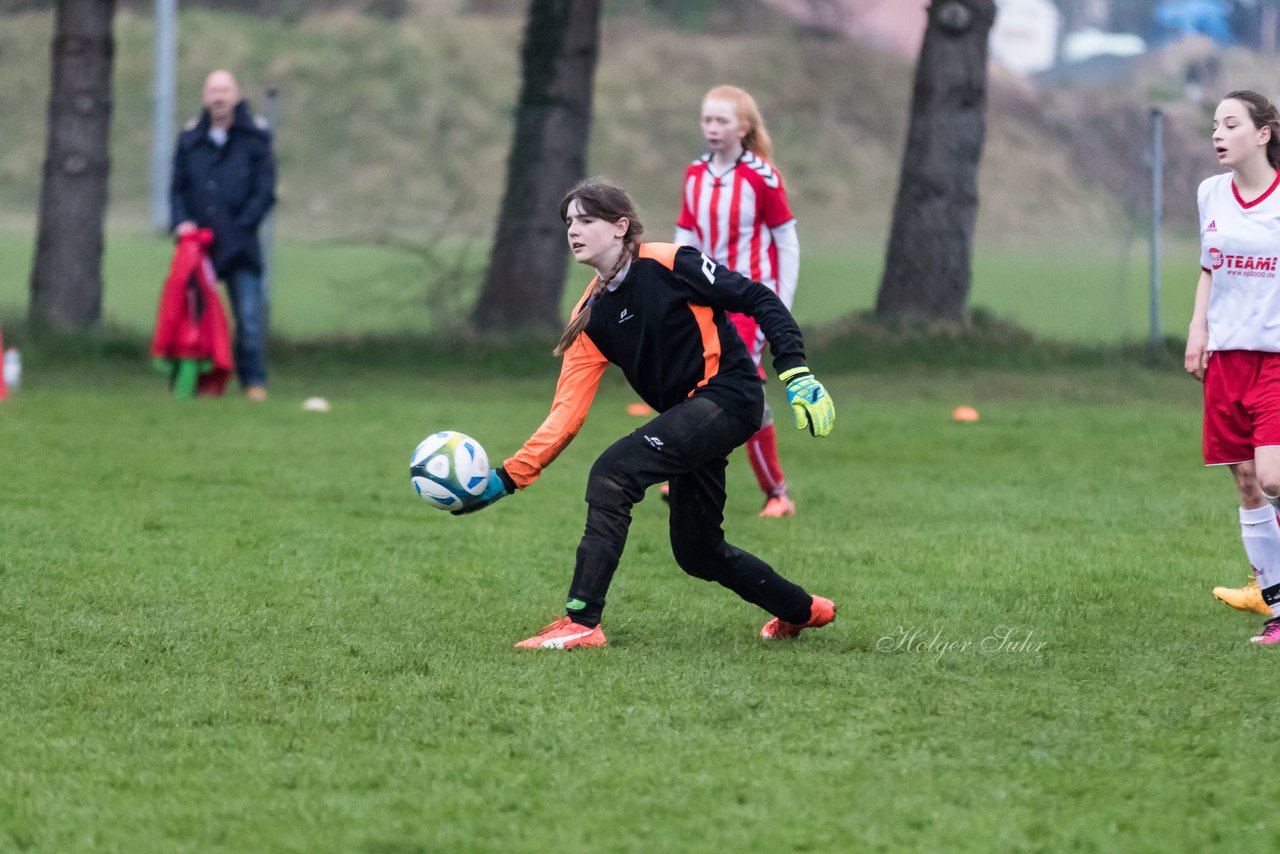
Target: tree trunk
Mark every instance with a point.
(525, 279)
(928, 263)
(66, 280)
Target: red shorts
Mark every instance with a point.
(1241, 405)
(749, 331)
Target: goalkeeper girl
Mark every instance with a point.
(1233, 343)
(659, 312)
(734, 208)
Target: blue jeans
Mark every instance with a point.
(249, 305)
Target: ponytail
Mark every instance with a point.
(602, 200)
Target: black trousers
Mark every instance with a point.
(688, 447)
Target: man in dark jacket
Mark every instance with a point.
(224, 179)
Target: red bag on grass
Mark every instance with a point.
(190, 323)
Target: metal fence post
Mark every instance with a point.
(162, 138)
(1156, 337)
(271, 112)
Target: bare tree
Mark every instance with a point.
(525, 279)
(928, 266)
(66, 279)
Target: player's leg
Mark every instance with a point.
(249, 305)
(700, 549)
(762, 447)
(1228, 441)
(659, 451)
(1261, 536)
(1248, 597)
(1258, 523)
(762, 451)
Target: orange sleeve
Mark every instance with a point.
(580, 374)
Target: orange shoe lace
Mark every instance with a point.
(550, 627)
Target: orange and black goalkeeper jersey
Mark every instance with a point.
(665, 326)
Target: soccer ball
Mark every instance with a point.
(449, 469)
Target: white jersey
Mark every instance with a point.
(1240, 249)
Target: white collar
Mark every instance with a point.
(618, 279)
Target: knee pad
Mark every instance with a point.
(605, 489)
(612, 478)
(609, 484)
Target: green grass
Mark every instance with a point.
(329, 288)
(229, 627)
(346, 289)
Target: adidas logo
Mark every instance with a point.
(1213, 226)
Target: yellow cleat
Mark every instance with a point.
(1247, 598)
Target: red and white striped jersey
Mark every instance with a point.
(732, 217)
(1240, 248)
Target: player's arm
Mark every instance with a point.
(716, 285)
(1196, 359)
(781, 222)
(811, 404)
(580, 374)
(788, 244)
(687, 222)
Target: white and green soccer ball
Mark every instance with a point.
(449, 469)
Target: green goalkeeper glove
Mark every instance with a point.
(810, 403)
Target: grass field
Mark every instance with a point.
(229, 627)
(342, 289)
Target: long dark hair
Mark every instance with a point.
(1264, 114)
(600, 199)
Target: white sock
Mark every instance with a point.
(1261, 535)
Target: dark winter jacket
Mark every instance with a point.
(227, 188)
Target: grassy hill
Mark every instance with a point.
(403, 127)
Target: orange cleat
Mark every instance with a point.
(821, 612)
(563, 633)
(777, 507)
(1247, 598)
